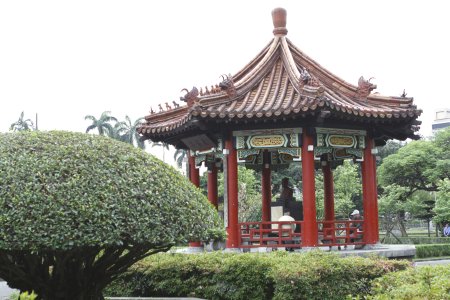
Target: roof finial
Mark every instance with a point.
(279, 21)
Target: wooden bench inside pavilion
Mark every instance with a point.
(284, 108)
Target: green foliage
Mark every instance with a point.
(103, 125)
(391, 147)
(442, 207)
(62, 190)
(249, 195)
(23, 296)
(278, 275)
(435, 250)
(179, 156)
(347, 188)
(124, 131)
(320, 196)
(416, 240)
(413, 166)
(430, 283)
(94, 202)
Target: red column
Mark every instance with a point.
(212, 186)
(194, 177)
(266, 187)
(328, 192)
(370, 202)
(194, 174)
(232, 172)
(309, 228)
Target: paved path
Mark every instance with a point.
(432, 262)
(5, 291)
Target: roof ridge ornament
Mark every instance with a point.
(191, 96)
(279, 21)
(227, 85)
(365, 87)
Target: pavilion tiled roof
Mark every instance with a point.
(282, 81)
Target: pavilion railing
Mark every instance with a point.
(270, 234)
(340, 232)
(289, 234)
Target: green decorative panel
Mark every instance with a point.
(340, 138)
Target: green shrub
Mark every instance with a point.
(278, 275)
(432, 250)
(76, 210)
(430, 283)
(318, 275)
(417, 240)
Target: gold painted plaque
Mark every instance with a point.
(267, 141)
(341, 141)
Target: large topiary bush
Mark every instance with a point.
(76, 210)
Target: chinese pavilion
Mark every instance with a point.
(284, 108)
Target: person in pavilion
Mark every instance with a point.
(287, 192)
(355, 227)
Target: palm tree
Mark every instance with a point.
(22, 125)
(164, 146)
(103, 124)
(179, 156)
(128, 132)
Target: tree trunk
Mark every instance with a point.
(401, 226)
(78, 274)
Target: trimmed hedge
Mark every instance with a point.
(417, 240)
(432, 250)
(414, 283)
(278, 275)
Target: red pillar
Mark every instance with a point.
(194, 174)
(328, 192)
(266, 187)
(370, 202)
(194, 177)
(232, 174)
(212, 186)
(309, 228)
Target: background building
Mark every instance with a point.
(441, 119)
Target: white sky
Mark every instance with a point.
(67, 59)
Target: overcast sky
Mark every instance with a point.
(67, 59)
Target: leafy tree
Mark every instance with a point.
(413, 166)
(179, 156)
(421, 205)
(391, 147)
(442, 207)
(73, 218)
(103, 125)
(442, 142)
(347, 189)
(320, 196)
(127, 132)
(392, 207)
(249, 196)
(22, 124)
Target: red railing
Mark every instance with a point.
(270, 234)
(340, 233)
(289, 234)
